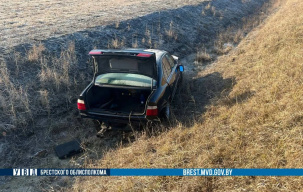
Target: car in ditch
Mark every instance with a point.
(131, 86)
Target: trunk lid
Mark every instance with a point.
(131, 61)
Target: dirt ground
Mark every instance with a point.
(180, 27)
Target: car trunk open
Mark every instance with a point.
(126, 101)
(123, 82)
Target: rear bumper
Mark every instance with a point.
(132, 119)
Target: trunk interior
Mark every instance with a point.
(117, 100)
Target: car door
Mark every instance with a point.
(173, 77)
(169, 75)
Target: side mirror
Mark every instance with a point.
(181, 68)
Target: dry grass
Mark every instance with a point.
(171, 32)
(42, 84)
(40, 81)
(203, 56)
(14, 101)
(258, 124)
(35, 53)
(34, 84)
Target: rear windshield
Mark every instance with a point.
(128, 65)
(124, 79)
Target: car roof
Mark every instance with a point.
(158, 53)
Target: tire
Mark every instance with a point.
(180, 80)
(167, 112)
(166, 115)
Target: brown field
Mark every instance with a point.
(36, 20)
(241, 100)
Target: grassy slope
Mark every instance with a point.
(258, 124)
(39, 84)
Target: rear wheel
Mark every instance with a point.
(180, 80)
(167, 112)
(166, 115)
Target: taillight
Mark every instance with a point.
(152, 111)
(81, 105)
(95, 52)
(144, 55)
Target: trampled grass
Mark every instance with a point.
(255, 124)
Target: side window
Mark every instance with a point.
(166, 67)
(170, 60)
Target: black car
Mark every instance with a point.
(131, 86)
